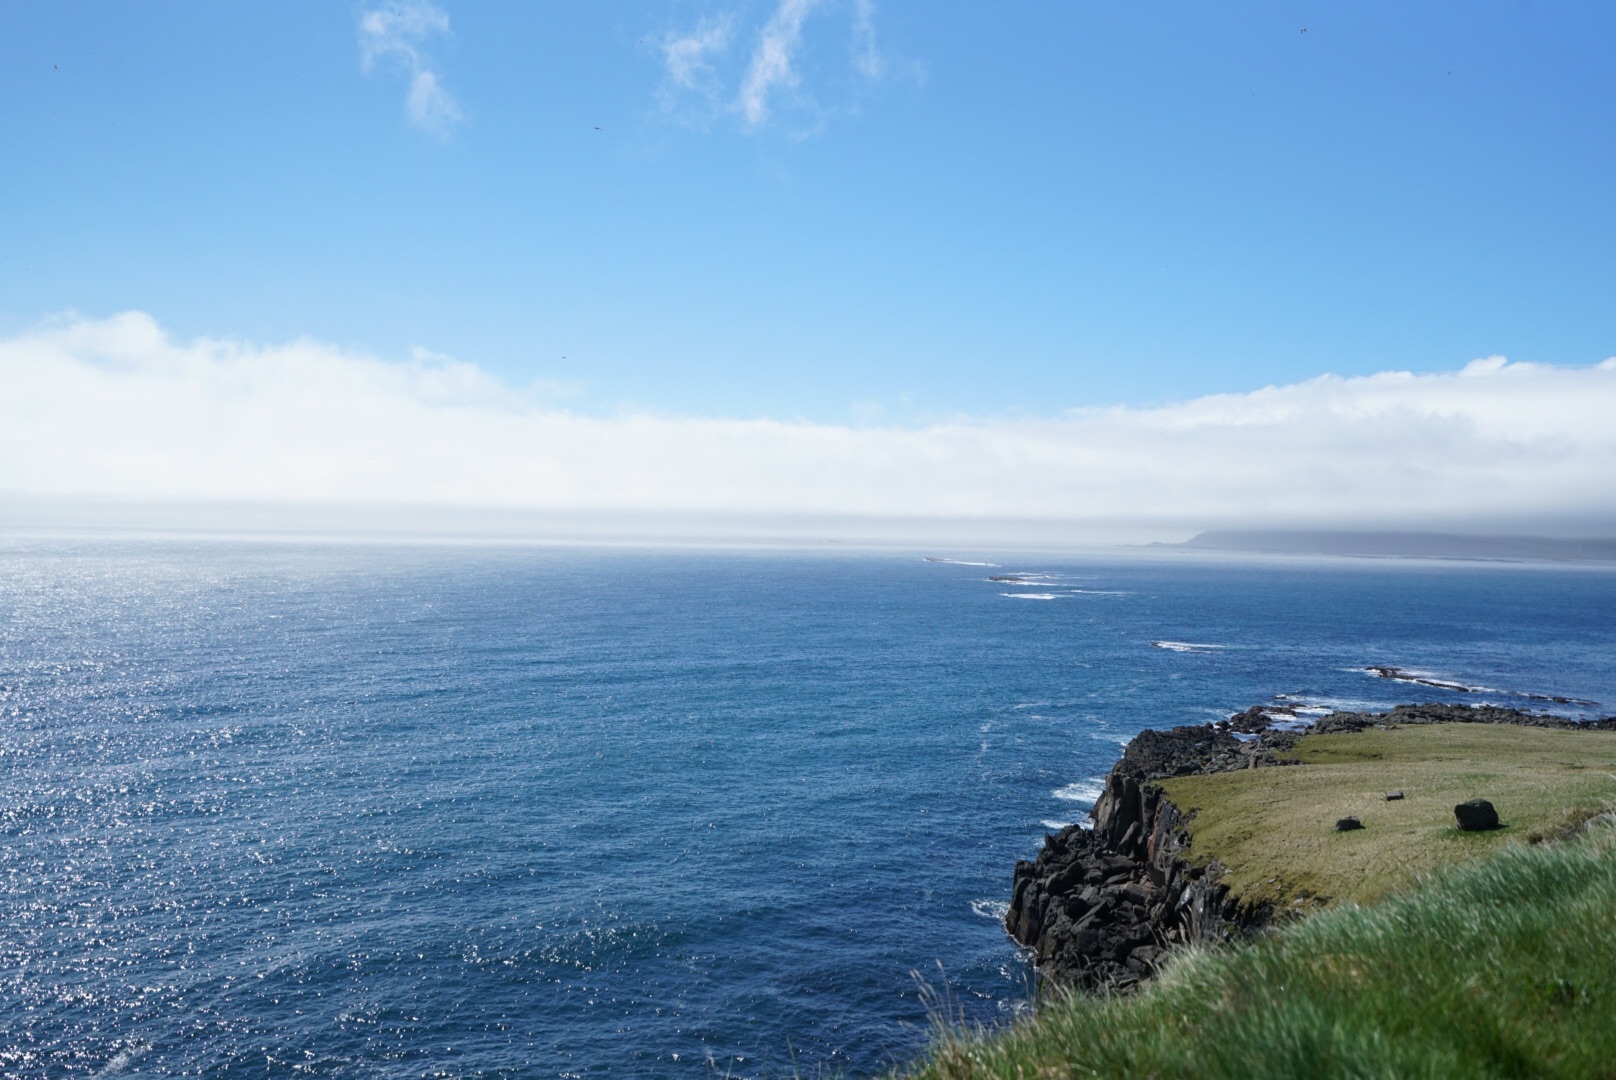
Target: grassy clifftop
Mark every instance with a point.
(1274, 829)
(1426, 952)
(1501, 967)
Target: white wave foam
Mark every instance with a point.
(1425, 678)
(1344, 704)
(1081, 791)
(1186, 646)
(1441, 682)
(126, 1057)
(1014, 1007)
(991, 909)
(1031, 595)
(1055, 826)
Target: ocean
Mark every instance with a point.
(391, 810)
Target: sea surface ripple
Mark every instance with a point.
(384, 811)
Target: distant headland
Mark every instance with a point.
(1394, 545)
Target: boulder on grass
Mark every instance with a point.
(1347, 824)
(1393, 796)
(1476, 815)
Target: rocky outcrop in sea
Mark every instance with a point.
(1101, 905)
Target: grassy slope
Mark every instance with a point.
(1501, 968)
(1274, 829)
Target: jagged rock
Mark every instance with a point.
(1348, 824)
(1136, 892)
(1128, 877)
(1439, 713)
(1342, 722)
(1476, 815)
(1143, 959)
(1253, 721)
(1393, 796)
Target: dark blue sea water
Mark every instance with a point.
(277, 809)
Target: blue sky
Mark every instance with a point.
(1141, 269)
(1000, 209)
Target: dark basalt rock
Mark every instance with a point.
(1348, 824)
(1393, 796)
(1343, 722)
(1099, 907)
(1437, 713)
(1476, 815)
(1253, 721)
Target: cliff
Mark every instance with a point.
(1100, 906)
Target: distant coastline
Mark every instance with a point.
(1394, 545)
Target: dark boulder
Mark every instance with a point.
(1254, 721)
(1476, 815)
(1393, 796)
(1347, 824)
(1339, 723)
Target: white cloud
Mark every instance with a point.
(770, 82)
(771, 67)
(689, 57)
(115, 407)
(395, 29)
(429, 106)
(395, 33)
(867, 58)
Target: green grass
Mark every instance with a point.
(1274, 829)
(1504, 967)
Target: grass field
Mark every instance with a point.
(1504, 967)
(1274, 829)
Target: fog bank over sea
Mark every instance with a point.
(29, 515)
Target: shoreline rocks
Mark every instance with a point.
(1100, 907)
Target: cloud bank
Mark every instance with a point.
(395, 33)
(116, 407)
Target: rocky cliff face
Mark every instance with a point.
(1099, 906)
